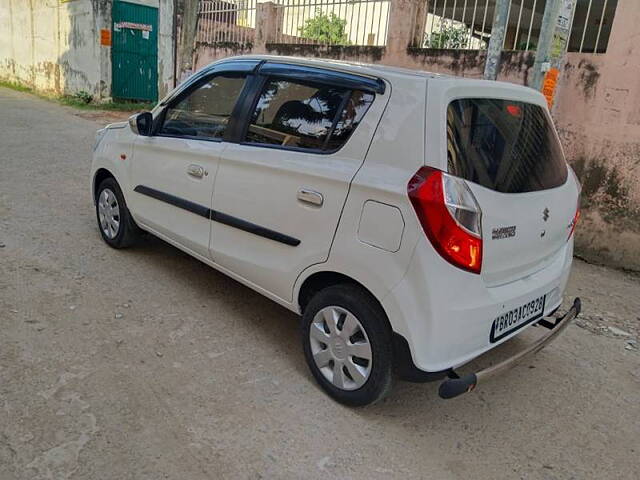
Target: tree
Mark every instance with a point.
(533, 45)
(328, 29)
(449, 37)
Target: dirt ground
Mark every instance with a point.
(146, 364)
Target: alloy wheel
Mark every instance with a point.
(109, 213)
(340, 348)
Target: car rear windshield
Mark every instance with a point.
(503, 145)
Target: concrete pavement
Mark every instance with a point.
(147, 364)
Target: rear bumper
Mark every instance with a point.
(444, 315)
(456, 386)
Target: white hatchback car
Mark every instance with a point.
(414, 220)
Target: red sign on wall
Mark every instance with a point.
(549, 85)
(105, 37)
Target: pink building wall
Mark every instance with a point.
(597, 111)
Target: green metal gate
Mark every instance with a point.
(134, 51)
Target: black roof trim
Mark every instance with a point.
(240, 66)
(322, 75)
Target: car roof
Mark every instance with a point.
(387, 72)
(368, 69)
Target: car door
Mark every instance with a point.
(173, 171)
(279, 191)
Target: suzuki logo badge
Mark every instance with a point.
(545, 214)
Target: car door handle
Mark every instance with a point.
(310, 196)
(196, 171)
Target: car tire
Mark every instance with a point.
(116, 226)
(336, 347)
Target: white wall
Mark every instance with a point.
(50, 45)
(166, 47)
(54, 45)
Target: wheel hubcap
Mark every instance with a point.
(340, 348)
(109, 213)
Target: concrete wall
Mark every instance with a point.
(516, 66)
(597, 111)
(49, 46)
(54, 46)
(166, 47)
(598, 116)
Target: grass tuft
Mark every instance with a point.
(15, 86)
(82, 100)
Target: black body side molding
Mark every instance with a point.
(253, 228)
(216, 216)
(175, 201)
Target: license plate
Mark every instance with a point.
(516, 318)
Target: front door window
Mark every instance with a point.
(206, 111)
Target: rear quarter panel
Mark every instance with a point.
(395, 154)
(446, 313)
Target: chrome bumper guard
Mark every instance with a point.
(455, 385)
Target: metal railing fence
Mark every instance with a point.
(592, 19)
(454, 24)
(334, 22)
(232, 21)
(466, 24)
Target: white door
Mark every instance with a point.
(173, 171)
(279, 193)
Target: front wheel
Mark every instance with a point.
(116, 226)
(347, 344)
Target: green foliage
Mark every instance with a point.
(523, 45)
(119, 106)
(328, 29)
(82, 100)
(83, 96)
(126, 106)
(15, 86)
(449, 36)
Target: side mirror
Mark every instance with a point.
(141, 123)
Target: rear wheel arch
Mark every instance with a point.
(404, 365)
(353, 364)
(320, 280)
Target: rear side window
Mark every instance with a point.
(357, 105)
(205, 111)
(503, 145)
(305, 115)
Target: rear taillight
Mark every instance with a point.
(450, 216)
(576, 216)
(574, 222)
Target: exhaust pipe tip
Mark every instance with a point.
(454, 387)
